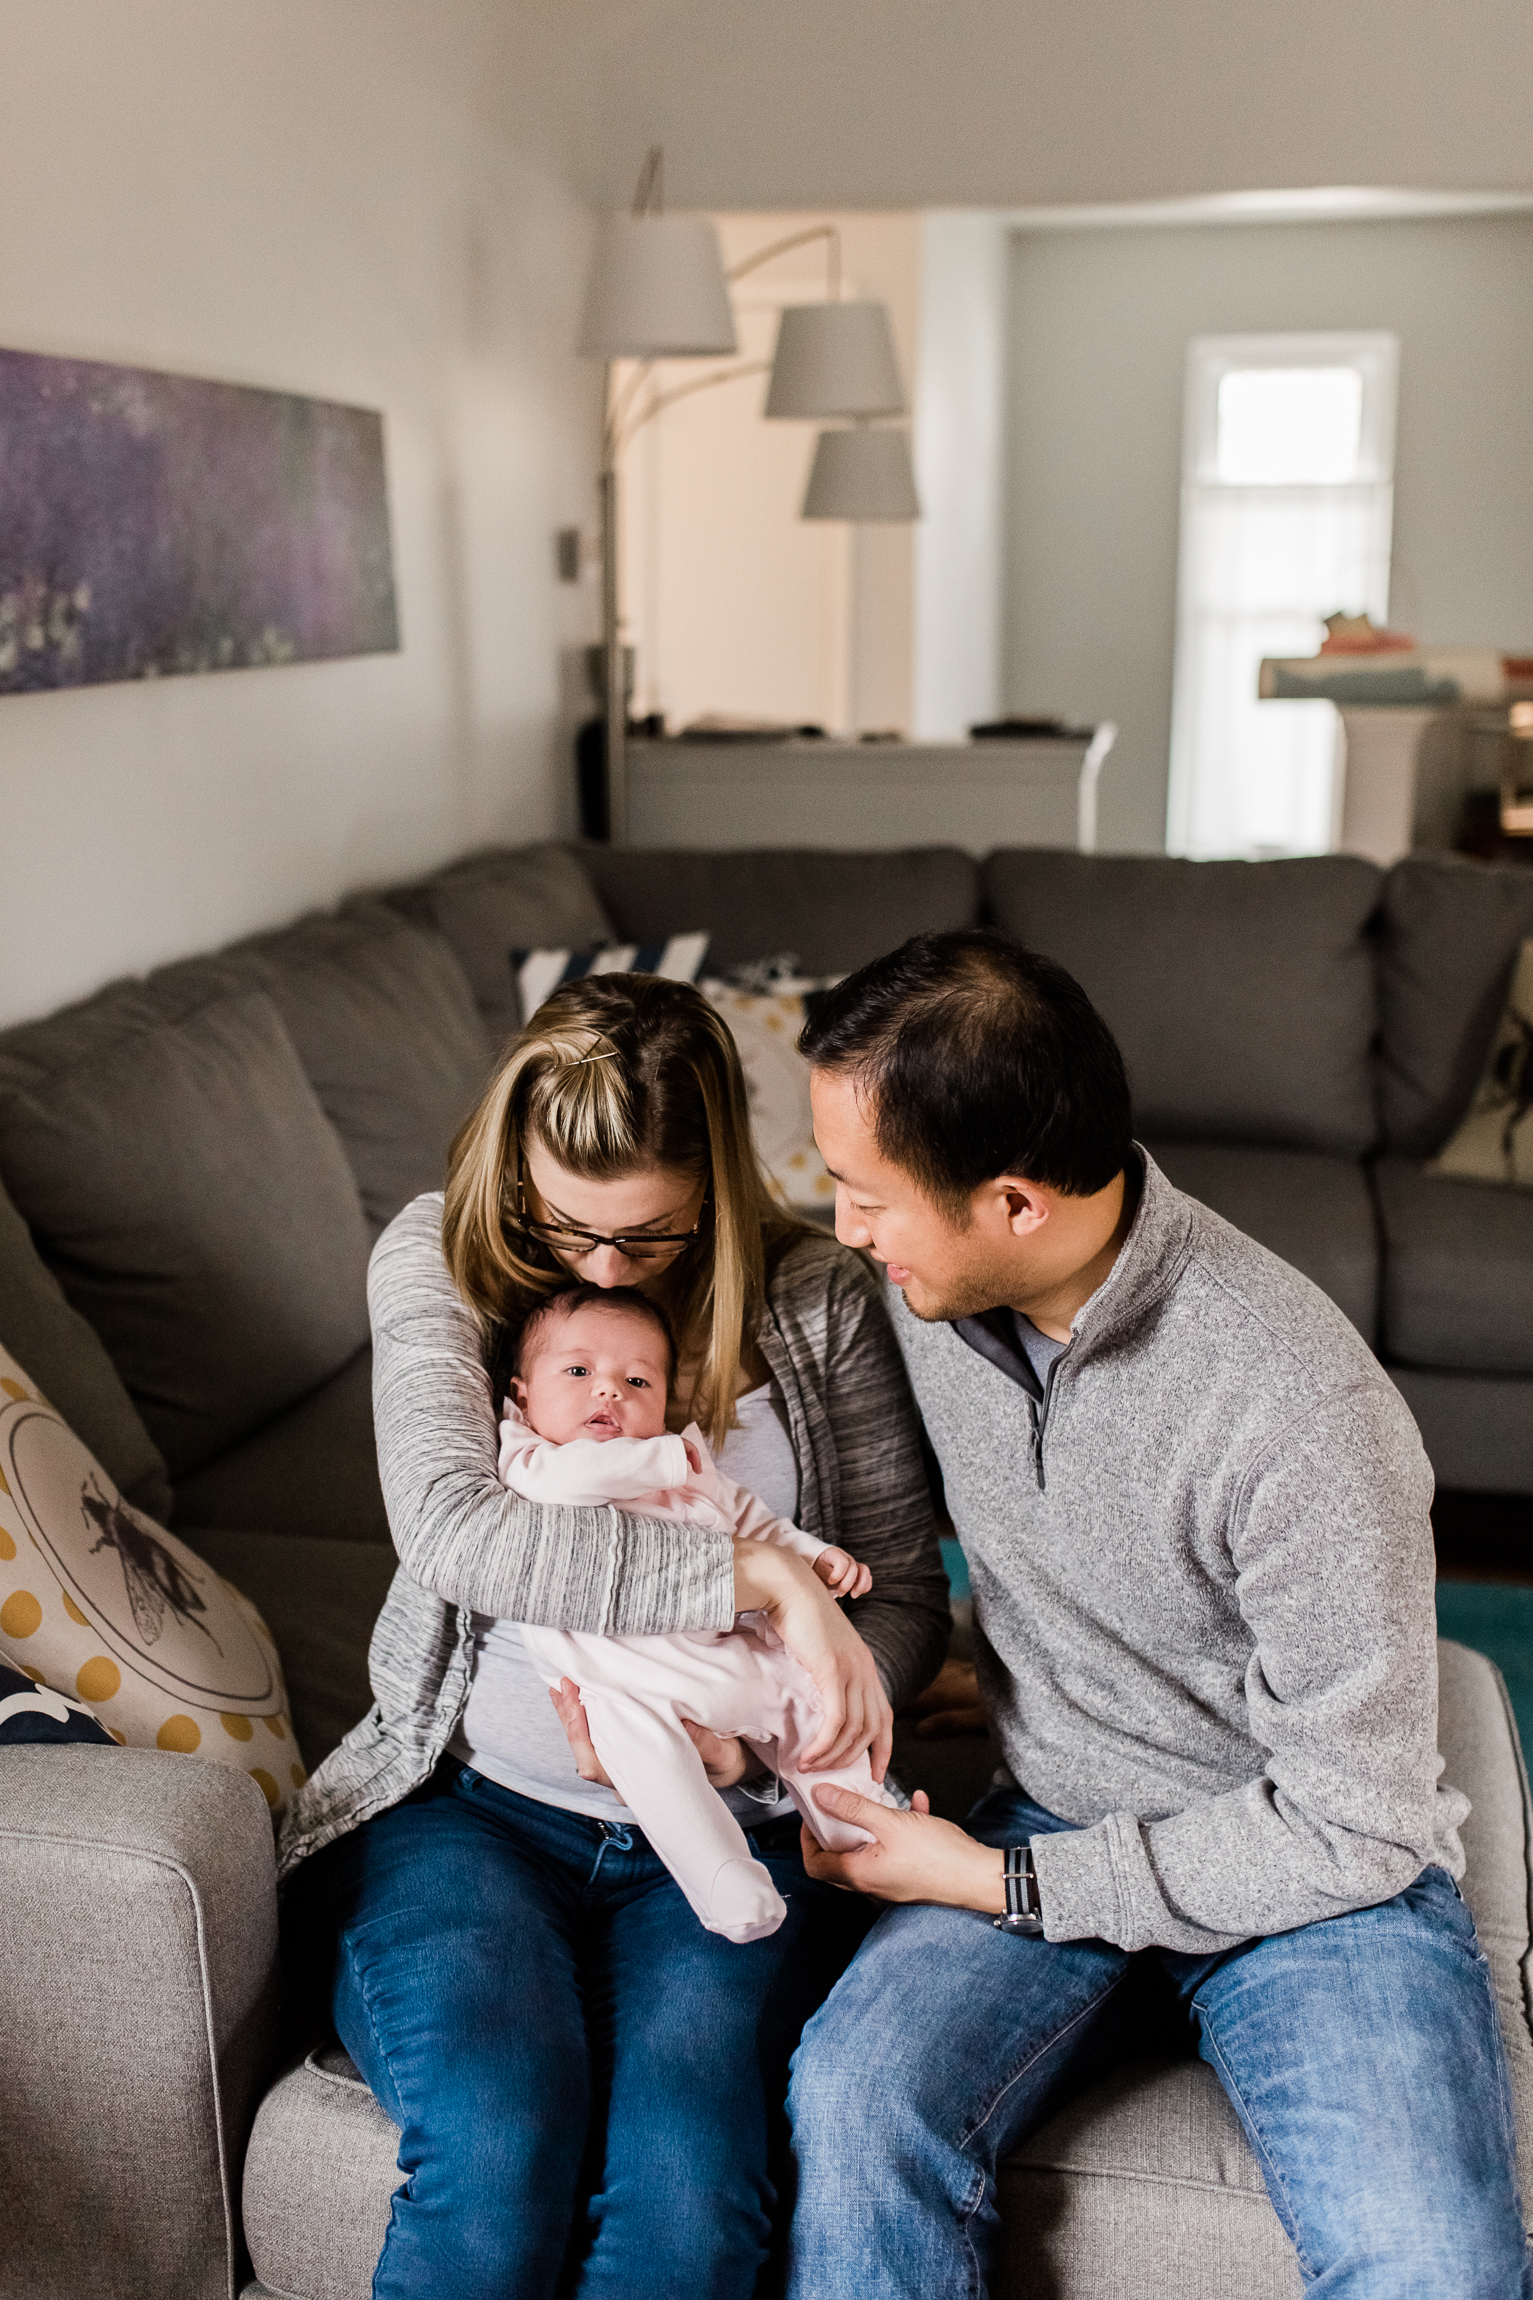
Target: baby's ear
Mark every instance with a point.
(519, 1393)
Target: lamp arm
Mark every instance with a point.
(664, 399)
(830, 233)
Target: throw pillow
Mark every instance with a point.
(540, 972)
(1494, 1142)
(32, 1712)
(100, 1603)
(765, 1018)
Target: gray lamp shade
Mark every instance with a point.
(861, 474)
(657, 291)
(835, 359)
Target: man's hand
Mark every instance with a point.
(950, 1705)
(841, 1573)
(816, 1632)
(913, 1857)
(725, 1760)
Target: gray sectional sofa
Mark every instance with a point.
(192, 1170)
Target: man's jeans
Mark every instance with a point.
(1361, 2055)
(588, 2086)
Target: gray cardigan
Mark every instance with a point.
(1205, 1595)
(466, 1545)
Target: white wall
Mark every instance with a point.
(365, 200)
(977, 103)
(1099, 327)
(734, 602)
(960, 471)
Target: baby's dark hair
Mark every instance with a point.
(585, 1296)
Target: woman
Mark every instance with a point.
(588, 2086)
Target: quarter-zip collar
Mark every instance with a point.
(1146, 1267)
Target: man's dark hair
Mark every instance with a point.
(584, 1296)
(976, 1058)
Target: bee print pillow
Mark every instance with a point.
(100, 1605)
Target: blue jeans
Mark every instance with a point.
(588, 2086)
(1361, 2055)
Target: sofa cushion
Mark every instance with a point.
(312, 1469)
(183, 1183)
(319, 1599)
(1450, 936)
(1144, 2184)
(1315, 1212)
(833, 911)
(320, 2174)
(72, 1369)
(1458, 1271)
(389, 1037)
(508, 899)
(1242, 994)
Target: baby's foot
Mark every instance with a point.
(745, 1905)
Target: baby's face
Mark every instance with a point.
(595, 1374)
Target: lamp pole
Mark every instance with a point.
(615, 697)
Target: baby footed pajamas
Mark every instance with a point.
(637, 1690)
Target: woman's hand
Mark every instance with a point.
(725, 1760)
(817, 1633)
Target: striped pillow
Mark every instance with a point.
(540, 972)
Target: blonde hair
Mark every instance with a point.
(613, 1075)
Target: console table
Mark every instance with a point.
(1040, 792)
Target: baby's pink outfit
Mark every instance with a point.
(637, 1690)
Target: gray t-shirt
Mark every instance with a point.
(510, 1731)
(1039, 1349)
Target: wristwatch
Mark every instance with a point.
(1024, 1910)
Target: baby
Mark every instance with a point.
(585, 1424)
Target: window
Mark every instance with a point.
(1287, 505)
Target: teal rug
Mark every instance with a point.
(1495, 1618)
(1491, 1617)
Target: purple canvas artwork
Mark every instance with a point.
(155, 524)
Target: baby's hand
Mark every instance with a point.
(842, 1573)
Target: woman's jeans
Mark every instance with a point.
(1361, 2055)
(588, 2086)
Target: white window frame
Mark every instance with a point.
(1209, 359)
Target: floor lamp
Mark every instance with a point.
(659, 290)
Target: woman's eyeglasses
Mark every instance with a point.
(646, 1246)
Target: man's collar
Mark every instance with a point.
(1147, 1264)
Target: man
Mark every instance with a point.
(1195, 1513)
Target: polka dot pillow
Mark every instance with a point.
(103, 1605)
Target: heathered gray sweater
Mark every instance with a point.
(1205, 1609)
(468, 1546)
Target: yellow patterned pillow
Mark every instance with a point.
(99, 1602)
(765, 1024)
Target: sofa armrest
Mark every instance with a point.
(137, 2017)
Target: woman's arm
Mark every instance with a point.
(456, 1528)
(884, 1514)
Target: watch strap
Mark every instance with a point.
(1024, 1909)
